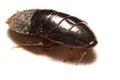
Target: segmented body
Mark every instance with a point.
(57, 27)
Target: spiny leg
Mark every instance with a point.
(81, 58)
(46, 44)
(70, 55)
(49, 45)
(40, 44)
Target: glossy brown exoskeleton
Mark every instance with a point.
(57, 27)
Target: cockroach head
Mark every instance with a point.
(21, 21)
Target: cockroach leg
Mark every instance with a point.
(70, 55)
(46, 45)
(39, 44)
(81, 58)
(49, 45)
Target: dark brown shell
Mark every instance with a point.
(55, 26)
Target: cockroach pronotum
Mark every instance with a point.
(57, 27)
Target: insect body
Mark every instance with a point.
(55, 26)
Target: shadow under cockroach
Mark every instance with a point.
(58, 54)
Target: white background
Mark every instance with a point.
(103, 17)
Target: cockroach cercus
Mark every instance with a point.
(56, 27)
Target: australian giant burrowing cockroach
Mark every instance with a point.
(57, 27)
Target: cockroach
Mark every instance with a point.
(56, 27)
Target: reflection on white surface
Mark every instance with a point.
(59, 53)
